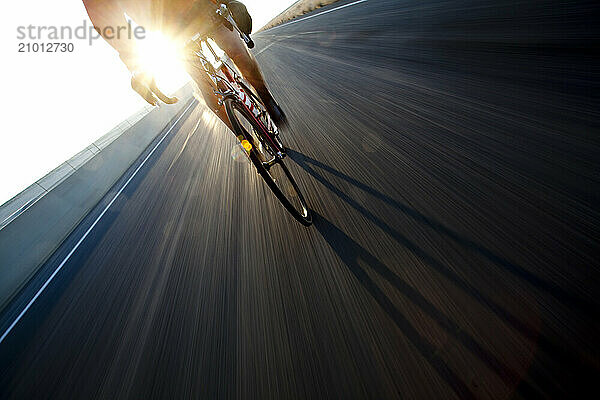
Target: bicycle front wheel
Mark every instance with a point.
(269, 166)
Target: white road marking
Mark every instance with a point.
(316, 15)
(266, 48)
(39, 292)
(285, 38)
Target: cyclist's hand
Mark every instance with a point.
(140, 82)
(145, 85)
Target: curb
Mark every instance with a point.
(35, 222)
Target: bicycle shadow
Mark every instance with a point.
(350, 249)
(558, 293)
(352, 253)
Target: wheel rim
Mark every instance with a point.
(282, 178)
(275, 168)
(264, 153)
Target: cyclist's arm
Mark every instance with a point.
(107, 16)
(240, 14)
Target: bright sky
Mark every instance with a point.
(56, 104)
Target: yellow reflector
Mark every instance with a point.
(246, 144)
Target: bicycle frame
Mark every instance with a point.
(249, 119)
(228, 83)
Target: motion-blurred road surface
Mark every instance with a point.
(450, 153)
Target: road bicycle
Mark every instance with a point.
(255, 130)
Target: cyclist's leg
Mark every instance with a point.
(231, 44)
(206, 88)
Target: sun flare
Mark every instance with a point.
(161, 57)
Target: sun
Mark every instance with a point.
(162, 58)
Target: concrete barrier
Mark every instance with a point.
(297, 9)
(34, 223)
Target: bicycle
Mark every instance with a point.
(256, 132)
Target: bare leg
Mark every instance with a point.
(206, 88)
(231, 44)
(235, 48)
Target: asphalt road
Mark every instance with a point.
(449, 151)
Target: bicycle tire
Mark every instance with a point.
(301, 214)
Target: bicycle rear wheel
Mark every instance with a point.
(270, 167)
